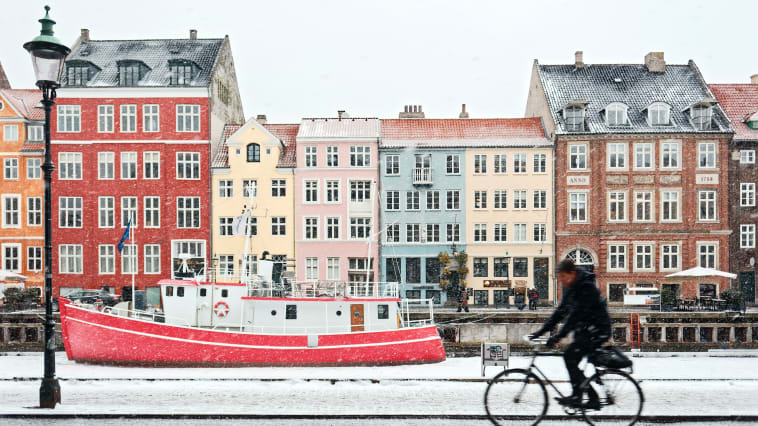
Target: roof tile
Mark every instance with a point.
(463, 132)
(739, 101)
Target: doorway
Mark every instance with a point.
(541, 276)
(747, 286)
(357, 319)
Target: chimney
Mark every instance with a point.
(463, 113)
(579, 59)
(341, 113)
(261, 118)
(412, 111)
(84, 37)
(193, 34)
(754, 79)
(654, 62)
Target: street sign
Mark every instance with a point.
(495, 354)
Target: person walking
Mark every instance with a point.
(462, 299)
(533, 297)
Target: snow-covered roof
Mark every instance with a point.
(338, 128)
(286, 133)
(26, 101)
(740, 101)
(451, 133)
(700, 272)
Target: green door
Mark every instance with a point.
(541, 265)
(747, 286)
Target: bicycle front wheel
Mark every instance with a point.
(515, 396)
(621, 399)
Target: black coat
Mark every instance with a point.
(583, 311)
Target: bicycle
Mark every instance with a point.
(521, 394)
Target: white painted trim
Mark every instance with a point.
(22, 238)
(133, 92)
(128, 142)
(20, 256)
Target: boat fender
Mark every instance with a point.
(221, 309)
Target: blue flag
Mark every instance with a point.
(125, 237)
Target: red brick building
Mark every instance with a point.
(641, 177)
(131, 138)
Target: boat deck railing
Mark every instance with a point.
(420, 319)
(324, 289)
(146, 316)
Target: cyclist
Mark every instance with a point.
(586, 314)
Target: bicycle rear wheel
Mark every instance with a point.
(621, 399)
(515, 396)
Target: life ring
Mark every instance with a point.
(221, 309)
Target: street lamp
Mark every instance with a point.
(48, 56)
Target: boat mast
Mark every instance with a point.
(247, 215)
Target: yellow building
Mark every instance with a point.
(259, 156)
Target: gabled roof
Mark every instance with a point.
(4, 83)
(740, 101)
(679, 86)
(155, 54)
(286, 133)
(25, 102)
(222, 155)
(336, 128)
(496, 132)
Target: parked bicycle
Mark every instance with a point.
(520, 394)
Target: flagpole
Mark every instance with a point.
(134, 266)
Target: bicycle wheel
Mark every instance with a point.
(621, 398)
(515, 396)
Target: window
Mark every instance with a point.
(253, 151)
(310, 191)
(10, 132)
(278, 188)
(152, 212)
(500, 232)
(105, 206)
(332, 228)
(453, 200)
(360, 191)
(519, 163)
(481, 268)
(150, 118)
(540, 233)
(707, 201)
(34, 211)
(413, 233)
(658, 114)
(501, 267)
(10, 168)
(577, 207)
(247, 186)
(433, 268)
(616, 292)
(187, 165)
(480, 232)
(225, 226)
(578, 157)
(129, 73)
(393, 200)
(129, 259)
(33, 168)
(333, 268)
(481, 297)
(643, 257)
(278, 225)
(253, 224)
(152, 259)
(574, 116)
(311, 268)
(69, 212)
(105, 167)
(616, 257)
(128, 165)
(520, 266)
(540, 163)
(747, 194)
(519, 199)
(669, 256)
(480, 199)
(540, 199)
(35, 133)
(128, 118)
(747, 156)
(501, 199)
(480, 164)
(226, 265)
(332, 156)
(615, 115)
(69, 118)
(107, 259)
(413, 270)
(392, 266)
(128, 211)
(453, 164)
(707, 255)
(392, 233)
(12, 257)
(432, 233)
(105, 118)
(70, 165)
(188, 212)
(643, 206)
(151, 164)
(643, 156)
(617, 206)
(226, 188)
(332, 191)
(392, 165)
(77, 75)
(453, 234)
(310, 156)
(701, 116)
(34, 258)
(70, 259)
(360, 156)
(432, 200)
(616, 156)
(180, 73)
(412, 201)
(747, 236)
(311, 228)
(501, 163)
(706, 155)
(12, 211)
(519, 232)
(669, 206)
(670, 155)
(188, 118)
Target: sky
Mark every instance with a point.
(310, 58)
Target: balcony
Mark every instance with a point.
(422, 176)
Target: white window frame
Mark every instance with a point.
(312, 223)
(278, 188)
(520, 164)
(617, 151)
(126, 159)
(34, 168)
(392, 233)
(13, 224)
(63, 212)
(327, 189)
(709, 149)
(661, 110)
(456, 201)
(747, 236)
(362, 153)
(332, 222)
(500, 164)
(105, 115)
(332, 153)
(69, 119)
(619, 202)
(500, 232)
(452, 232)
(35, 133)
(277, 222)
(456, 164)
(520, 233)
(10, 133)
(537, 195)
(431, 233)
(189, 211)
(642, 150)
(500, 199)
(670, 143)
(333, 268)
(311, 268)
(358, 223)
(149, 158)
(311, 156)
(703, 244)
(620, 251)
(618, 111)
(129, 211)
(650, 206)
(104, 160)
(664, 254)
(392, 201)
(433, 196)
(392, 165)
(129, 259)
(586, 202)
(10, 168)
(570, 152)
(153, 257)
(539, 164)
(481, 161)
(415, 198)
(34, 211)
(747, 156)
(225, 188)
(183, 163)
(34, 258)
(311, 188)
(650, 255)
(104, 210)
(539, 232)
(520, 199)
(188, 114)
(106, 259)
(480, 233)
(128, 118)
(480, 200)
(678, 191)
(151, 113)
(72, 266)
(747, 194)
(700, 199)
(225, 226)
(70, 166)
(19, 258)
(152, 207)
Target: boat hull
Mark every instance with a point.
(96, 337)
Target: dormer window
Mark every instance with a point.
(573, 114)
(130, 72)
(616, 115)
(659, 114)
(752, 121)
(79, 73)
(181, 72)
(701, 114)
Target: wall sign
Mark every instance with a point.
(578, 180)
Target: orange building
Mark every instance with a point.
(21, 187)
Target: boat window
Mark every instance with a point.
(203, 292)
(291, 312)
(383, 311)
(180, 291)
(224, 293)
(169, 290)
(339, 313)
(273, 313)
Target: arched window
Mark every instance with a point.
(582, 259)
(253, 153)
(659, 114)
(616, 115)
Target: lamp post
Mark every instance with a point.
(48, 56)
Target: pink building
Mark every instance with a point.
(336, 209)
